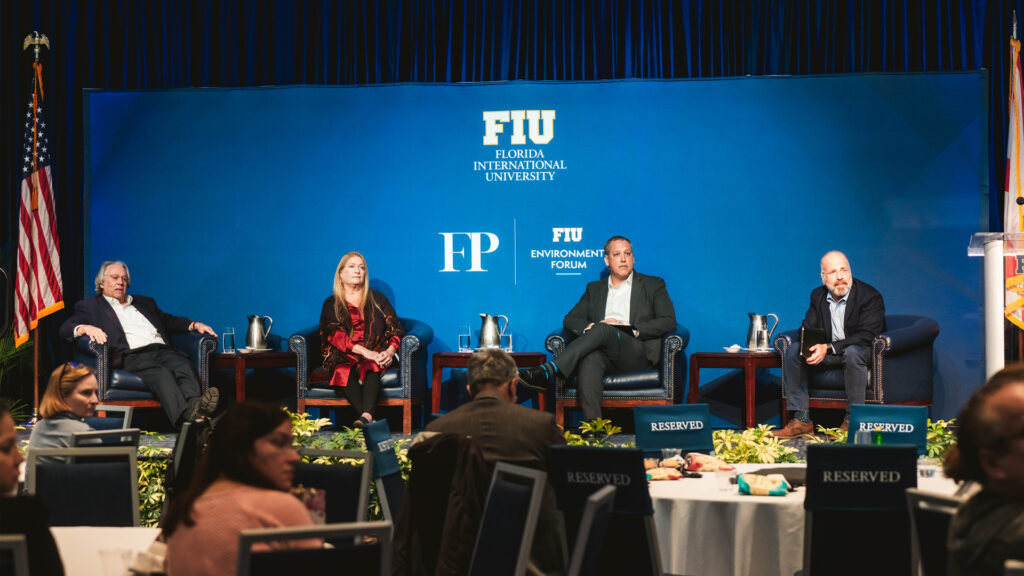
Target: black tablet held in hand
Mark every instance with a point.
(810, 337)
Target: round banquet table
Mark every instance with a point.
(80, 546)
(705, 531)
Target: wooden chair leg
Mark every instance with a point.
(560, 414)
(407, 417)
(300, 405)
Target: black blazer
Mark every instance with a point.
(650, 311)
(864, 318)
(98, 312)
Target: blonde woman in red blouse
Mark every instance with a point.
(359, 334)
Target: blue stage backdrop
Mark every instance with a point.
(498, 198)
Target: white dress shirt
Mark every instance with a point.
(617, 305)
(137, 328)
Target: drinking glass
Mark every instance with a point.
(862, 437)
(228, 338)
(464, 344)
(506, 342)
(724, 480)
(116, 561)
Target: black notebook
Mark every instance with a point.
(810, 337)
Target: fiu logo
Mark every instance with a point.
(476, 249)
(494, 124)
(566, 234)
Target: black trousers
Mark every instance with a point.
(362, 395)
(169, 374)
(601, 350)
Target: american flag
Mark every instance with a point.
(38, 291)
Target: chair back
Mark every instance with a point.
(346, 484)
(115, 437)
(577, 472)
(94, 487)
(13, 555)
(387, 472)
(360, 547)
(122, 417)
(590, 537)
(930, 517)
(858, 490)
(683, 426)
(509, 522)
(899, 424)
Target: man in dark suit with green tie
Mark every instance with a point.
(619, 324)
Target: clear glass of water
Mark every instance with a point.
(227, 337)
(464, 333)
(506, 342)
(862, 437)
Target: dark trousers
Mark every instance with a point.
(169, 374)
(362, 396)
(854, 362)
(601, 350)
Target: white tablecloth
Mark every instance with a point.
(80, 545)
(707, 532)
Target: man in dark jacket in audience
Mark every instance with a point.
(508, 432)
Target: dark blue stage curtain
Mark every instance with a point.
(139, 44)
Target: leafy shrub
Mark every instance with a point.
(752, 446)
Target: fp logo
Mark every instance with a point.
(566, 234)
(494, 124)
(476, 249)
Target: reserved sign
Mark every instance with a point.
(859, 477)
(898, 424)
(683, 426)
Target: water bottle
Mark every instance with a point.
(877, 436)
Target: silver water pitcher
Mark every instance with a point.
(256, 337)
(490, 335)
(756, 333)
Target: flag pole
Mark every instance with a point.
(35, 40)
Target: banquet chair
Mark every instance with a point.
(509, 523)
(590, 536)
(930, 517)
(123, 388)
(121, 417)
(859, 507)
(88, 489)
(387, 473)
(661, 385)
(118, 437)
(404, 386)
(360, 547)
(900, 371)
(347, 484)
(631, 523)
(13, 555)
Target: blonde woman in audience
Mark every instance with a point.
(242, 483)
(69, 398)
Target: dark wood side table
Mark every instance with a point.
(241, 362)
(444, 360)
(749, 362)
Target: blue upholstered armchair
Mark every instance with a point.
(901, 366)
(123, 388)
(403, 386)
(661, 385)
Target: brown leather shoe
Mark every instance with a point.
(794, 428)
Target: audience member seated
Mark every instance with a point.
(26, 514)
(508, 432)
(988, 529)
(360, 334)
(242, 483)
(69, 398)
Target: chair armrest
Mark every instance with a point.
(97, 356)
(894, 342)
(785, 339)
(300, 343)
(412, 361)
(557, 341)
(198, 347)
